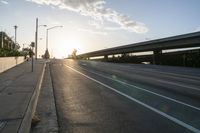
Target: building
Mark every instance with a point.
(6, 42)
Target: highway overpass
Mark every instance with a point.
(190, 40)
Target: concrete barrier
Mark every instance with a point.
(9, 62)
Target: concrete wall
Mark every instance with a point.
(9, 62)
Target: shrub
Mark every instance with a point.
(9, 53)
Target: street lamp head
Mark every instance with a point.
(55, 27)
(43, 25)
(47, 34)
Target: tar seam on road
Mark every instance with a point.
(139, 88)
(181, 123)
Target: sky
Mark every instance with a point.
(90, 25)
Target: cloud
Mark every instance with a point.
(4, 2)
(197, 29)
(112, 28)
(92, 31)
(96, 24)
(52, 21)
(97, 10)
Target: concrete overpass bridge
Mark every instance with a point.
(190, 40)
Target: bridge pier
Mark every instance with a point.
(157, 57)
(184, 60)
(105, 57)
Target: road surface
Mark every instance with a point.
(97, 97)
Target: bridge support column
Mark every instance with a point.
(105, 58)
(157, 57)
(184, 60)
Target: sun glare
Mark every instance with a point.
(66, 47)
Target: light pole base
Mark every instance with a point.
(46, 55)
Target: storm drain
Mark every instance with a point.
(2, 124)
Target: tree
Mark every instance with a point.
(74, 54)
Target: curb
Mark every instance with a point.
(46, 107)
(26, 122)
(54, 96)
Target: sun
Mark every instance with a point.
(67, 46)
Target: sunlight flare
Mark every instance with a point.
(67, 46)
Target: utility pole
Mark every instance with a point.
(32, 45)
(2, 39)
(36, 38)
(15, 35)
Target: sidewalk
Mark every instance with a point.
(19, 90)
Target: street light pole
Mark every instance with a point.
(47, 39)
(36, 38)
(32, 45)
(2, 39)
(47, 52)
(15, 35)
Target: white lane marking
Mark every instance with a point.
(139, 88)
(178, 75)
(181, 123)
(84, 64)
(158, 71)
(173, 75)
(177, 84)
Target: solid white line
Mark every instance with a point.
(158, 71)
(139, 88)
(175, 74)
(177, 84)
(189, 127)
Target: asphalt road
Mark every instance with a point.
(97, 97)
